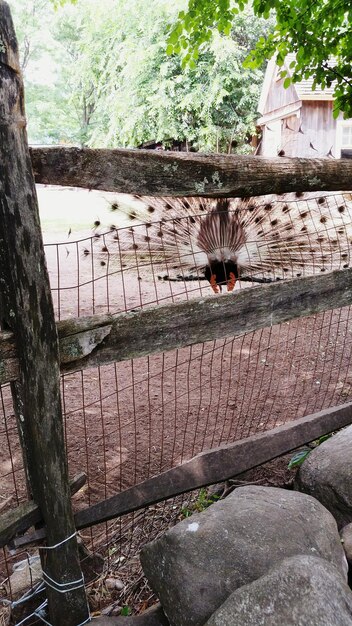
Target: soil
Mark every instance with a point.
(128, 421)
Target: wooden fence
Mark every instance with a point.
(30, 353)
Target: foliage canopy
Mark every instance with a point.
(319, 32)
(115, 85)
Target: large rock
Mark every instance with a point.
(302, 590)
(326, 474)
(197, 564)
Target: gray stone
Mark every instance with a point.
(197, 564)
(346, 539)
(301, 591)
(326, 474)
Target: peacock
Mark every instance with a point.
(225, 240)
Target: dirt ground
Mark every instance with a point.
(128, 421)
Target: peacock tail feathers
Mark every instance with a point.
(267, 238)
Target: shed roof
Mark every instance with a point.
(303, 88)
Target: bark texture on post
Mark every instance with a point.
(27, 310)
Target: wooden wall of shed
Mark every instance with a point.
(309, 133)
(319, 128)
(278, 96)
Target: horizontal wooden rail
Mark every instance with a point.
(212, 466)
(27, 514)
(156, 173)
(101, 339)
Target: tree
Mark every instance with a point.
(115, 85)
(145, 94)
(319, 33)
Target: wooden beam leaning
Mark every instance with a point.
(22, 517)
(218, 464)
(156, 173)
(212, 466)
(27, 310)
(102, 339)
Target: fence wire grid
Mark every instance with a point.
(128, 421)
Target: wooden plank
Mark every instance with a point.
(27, 310)
(101, 339)
(157, 173)
(218, 464)
(22, 517)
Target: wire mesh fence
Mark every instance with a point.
(128, 421)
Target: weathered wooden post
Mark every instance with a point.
(26, 309)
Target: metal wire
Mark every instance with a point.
(126, 422)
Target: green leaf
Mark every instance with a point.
(298, 458)
(126, 611)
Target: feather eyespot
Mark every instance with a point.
(168, 206)
(104, 249)
(268, 207)
(274, 222)
(323, 219)
(132, 215)
(102, 263)
(321, 200)
(345, 266)
(303, 229)
(151, 209)
(96, 223)
(341, 209)
(135, 246)
(146, 238)
(192, 220)
(344, 255)
(160, 233)
(285, 209)
(251, 208)
(299, 194)
(303, 215)
(114, 206)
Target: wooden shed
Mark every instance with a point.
(298, 121)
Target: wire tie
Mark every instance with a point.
(63, 587)
(58, 544)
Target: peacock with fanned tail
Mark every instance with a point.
(225, 240)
